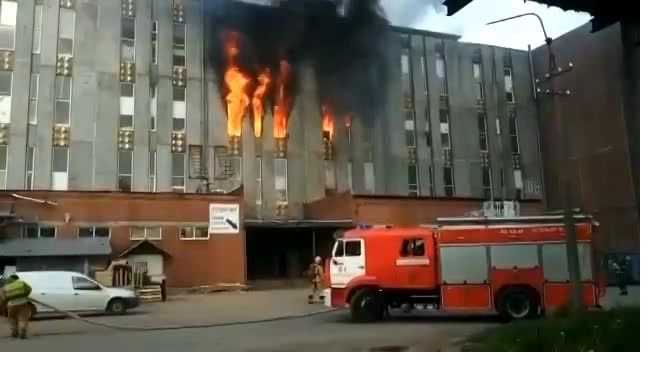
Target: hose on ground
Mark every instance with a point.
(179, 327)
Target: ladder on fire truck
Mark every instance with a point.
(554, 218)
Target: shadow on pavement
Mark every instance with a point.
(345, 317)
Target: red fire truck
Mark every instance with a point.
(516, 267)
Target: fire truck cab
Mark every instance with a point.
(516, 267)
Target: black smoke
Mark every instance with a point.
(344, 41)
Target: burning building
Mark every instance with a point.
(308, 116)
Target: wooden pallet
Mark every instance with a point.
(150, 294)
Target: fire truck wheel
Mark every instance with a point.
(518, 303)
(367, 305)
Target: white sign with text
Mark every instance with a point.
(224, 218)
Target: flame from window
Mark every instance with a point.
(237, 83)
(328, 120)
(282, 102)
(258, 102)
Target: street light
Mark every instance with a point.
(569, 220)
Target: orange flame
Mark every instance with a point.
(258, 102)
(328, 123)
(237, 82)
(282, 102)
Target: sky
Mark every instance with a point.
(470, 22)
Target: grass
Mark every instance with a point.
(615, 330)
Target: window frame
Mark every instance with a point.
(59, 27)
(181, 188)
(194, 229)
(512, 90)
(120, 174)
(94, 231)
(35, 76)
(5, 148)
(145, 234)
(29, 167)
(11, 84)
(175, 46)
(67, 100)
(406, 252)
(37, 42)
(153, 160)
(154, 42)
(11, 26)
(123, 38)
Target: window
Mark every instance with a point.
(154, 42)
(82, 283)
(179, 45)
(339, 250)
(195, 161)
(154, 106)
(60, 174)
(413, 189)
(439, 66)
(508, 85)
(152, 171)
(126, 105)
(47, 232)
(125, 171)
(411, 248)
(8, 10)
(67, 25)
(6, 78)
(258, 182)
(405, 62)
(476, 68)
(445, 136)
(29, 166)
(194, 233)
(179, 172)
(483, 132)
(128, 39)
(431, 181)
(6, 82)
(4, 157)
(36, 28)
(349, 175)
(179, 109)
(513, 132)
(352, 248)
(369, 177)
(34, 96)
(62, 100)
(410, 133)
(281, 180)
(486, 183)
(448, 174)
(145, 233)
(88, 232)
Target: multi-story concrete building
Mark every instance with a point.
(118, 95)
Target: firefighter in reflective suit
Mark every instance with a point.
(14, 296)
(316, 275)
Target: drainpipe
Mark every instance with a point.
(205, 120)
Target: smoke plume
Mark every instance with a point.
(343, 41)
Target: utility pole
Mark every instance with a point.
(549, 77)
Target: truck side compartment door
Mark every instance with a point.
(414, 265)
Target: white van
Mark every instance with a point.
(75, 292)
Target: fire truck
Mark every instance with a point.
(516, 267)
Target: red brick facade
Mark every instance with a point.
(220, 259)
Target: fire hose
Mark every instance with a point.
(179, 327)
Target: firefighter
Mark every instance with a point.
(316, 275)
(15, 295)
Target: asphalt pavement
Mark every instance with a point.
(324, 332)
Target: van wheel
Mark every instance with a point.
(518, 303)
(367, 306)
(116, 306)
